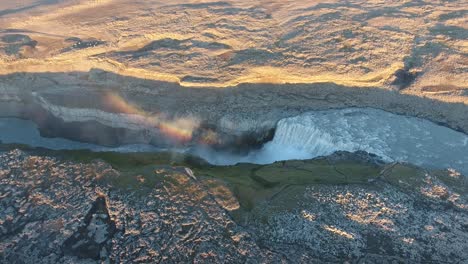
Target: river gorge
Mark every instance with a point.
(306, 136)
(207, 131)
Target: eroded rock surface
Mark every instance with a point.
(69, 212)
(92, 239)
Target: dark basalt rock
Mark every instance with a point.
(359, 156)
(16, 38)
(322, 212)
(94, 235)
(403, 78)
(82, 44)
(14, 43)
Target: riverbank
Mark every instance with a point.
(394, 138)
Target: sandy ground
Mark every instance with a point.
(417, 46)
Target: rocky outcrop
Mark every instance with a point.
(53, 212)
(93, 239)
(346, 207)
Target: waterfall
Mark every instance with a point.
(390, 136)
(324, 132)
(320, 133)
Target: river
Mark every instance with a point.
(392, 137)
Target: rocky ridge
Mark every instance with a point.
(55, 210)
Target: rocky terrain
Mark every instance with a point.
(223, 43)
(232, 68)
(221, 74)
(343, 208)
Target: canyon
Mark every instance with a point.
(233, 131)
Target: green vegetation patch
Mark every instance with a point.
(405, 176)
(319, 171)
(122, 161)
(251, 184)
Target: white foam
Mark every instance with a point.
(392, 137)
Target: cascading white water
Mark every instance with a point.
(392, 137)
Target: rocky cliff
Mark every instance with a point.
(109, 109)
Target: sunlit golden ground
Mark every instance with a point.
(207, 43)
